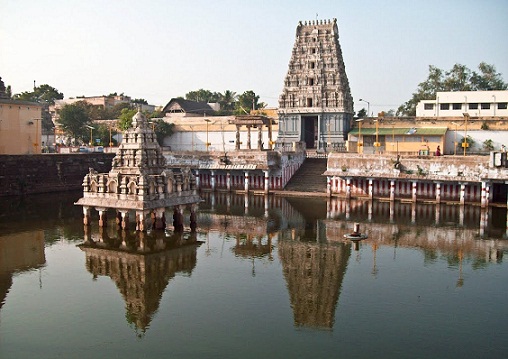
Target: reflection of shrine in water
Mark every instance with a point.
(141, 265)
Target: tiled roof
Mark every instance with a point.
(190, 106)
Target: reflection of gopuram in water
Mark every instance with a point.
(314, 273)
(141, 266)
(19, 252)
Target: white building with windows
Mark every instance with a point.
(475, 103)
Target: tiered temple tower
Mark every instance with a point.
(140, 182)
(316, 105)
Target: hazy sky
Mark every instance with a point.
(157, 49)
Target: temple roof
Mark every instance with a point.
(187, 106)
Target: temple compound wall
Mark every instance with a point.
(479, 180)
(242, 170)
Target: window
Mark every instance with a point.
(311, 82)
(502, 106)
(428, 106)
(473, 106)
(444, 106)
(309, 102)
(313, 50)
(485, 106)
(312, 65)
(457, 106)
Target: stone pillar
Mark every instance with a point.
(212, 179)
(415, 187)
(86, 216)
(193, 218)
(484, 219)
(143, 221)
(198, 183)
(160, 219)
(228, 181)
(438, 213)
(125, 219)
(462, 195)
(392, 209)
(103, 220)
(438, 193)
(329, 186)
(485, 194)
(260, 137)
(461, 215)
(237, 143)
(348, 188)
(267, 182)
(212, 201)
(178, 219)
(248, 137)
(371, 189)
(392, 190)
(246, 182)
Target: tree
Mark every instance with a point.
(4, 91)
(202, 95)
(362, 113)
(74, 118)
(102, 132)
(140, 101)
(44, 94)
(458, 78)
(248, 101)
(125, 118)
(227, 100)
(162, 129)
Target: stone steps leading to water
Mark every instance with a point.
(309, 177)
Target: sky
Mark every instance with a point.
(157, 50)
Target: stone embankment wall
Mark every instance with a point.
(441, 168)
(29, 174)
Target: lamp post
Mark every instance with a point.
(91, 134)
(465, 145)
(207, 143)
(377, 144)
(368, 106)
(360, 142)
(110, 137)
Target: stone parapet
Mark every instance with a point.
(31, 174)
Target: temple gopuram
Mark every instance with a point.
(140, 183)
(316, 105)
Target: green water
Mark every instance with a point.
(267, 280)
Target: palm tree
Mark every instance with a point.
(227, 100)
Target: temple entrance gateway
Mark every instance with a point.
(310, 130)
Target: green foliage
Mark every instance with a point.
(74, 118)
(470, 144)
(248, 101)
(140, 101)
(362, 113)
(45, 94)
(102, 132)
(3, 90)
(162, 130)
(125, 118)
(202, 95)
(488, 145)
(485, 126)
(458, 78)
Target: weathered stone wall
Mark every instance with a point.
(442, 168)
(27, 174)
